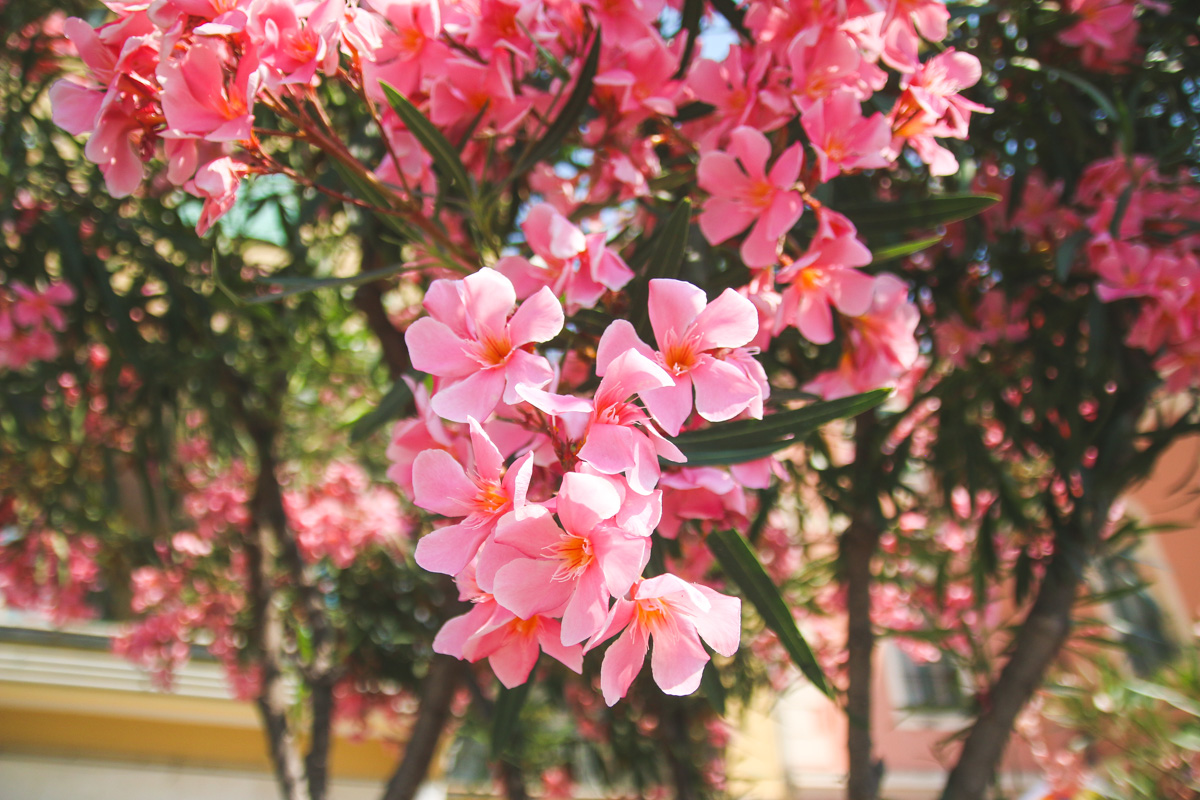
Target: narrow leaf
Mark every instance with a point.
(742, 566)
(876, 219)
(797, 422)
(736, 17)
(568, 118)
(505, 715)
(693, 10)
(445, 156)
(663, 259)
(297, 285)
(1167, 695)
(892, 252)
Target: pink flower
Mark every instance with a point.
(744, 194)
(693, 339)
(217, 182)
(677, 614)
(617, 435)
(293, 49)
(509, 643)
(842, 138)
(576, 567)
(931, 106)
(200, 96)
(578, 267)
(824, 278)
(442, 486)
(470, 340)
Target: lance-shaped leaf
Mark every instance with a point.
(296, 285)
(693, 10)
(878, 219)
(663, 258)
(750, 439)
(445, 156)
(391, 406)
(505, 715)
(568, 118)
(370, 191)
(890, 253)
(741, 565)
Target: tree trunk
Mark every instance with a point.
(858, 544)
(1038, 641)
(437, 694)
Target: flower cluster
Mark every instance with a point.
(29, 318)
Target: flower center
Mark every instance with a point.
(574, 553)
(491, 498)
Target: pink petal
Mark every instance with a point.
(724, 217)
(539, 319)
(760, 249)
(529, 531)
(670, 405)
(525, 369)
(488, 297)
(617, 338)
(448, 550)
(673, 307)
(620, 559)
(721, 627)
(622, 662)
(722, 390)
(752, 149)
(587, 609)
(489, 464)
(729, 321)
(678, 660)
(513, 662)
(436, 349)
(526, 586)
(550, 638)
(554, 404)
(851, 291)
(609, 448)
(719, 174)
(74, 108)
(453, 636)
(441, 485)
(584, 501)
(786, 170)
(475, 396)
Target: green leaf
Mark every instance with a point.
(1167, 695)
(750, 439)
(391, 405)
(742, 566)
(663, 259)
(736, 17)
(445, 156)
(1188, 739)
(553, 64)
(377, 195)
(712, 688)
(876, 219)
(505, 715)
(1064, 259)
(567, 120)
(892, 252)
(296, 285)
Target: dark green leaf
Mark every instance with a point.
(746, 440)
(694, 110)
(662, 259)
(876, 219)
(568, 119)
(296, 285)
(713, 689)
(735, 16)
(1064, 259)
(445, 156)
(742, 566)
(505, 715)
(391, 405)
(376, 195)
(693, 10)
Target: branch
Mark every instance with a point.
(267, 634)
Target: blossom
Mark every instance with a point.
(693, 339)
(470, 340)
(677, 614)
(744, 194)
(441, 485)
